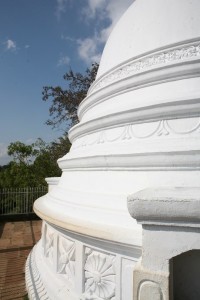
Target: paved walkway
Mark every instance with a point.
(16, 241)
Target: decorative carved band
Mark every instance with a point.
(60, 251)
(182, 109)
(100, 276)
(140, 131)
(66, 259)
(99, 270)
(173, 55)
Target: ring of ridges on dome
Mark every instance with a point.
(168, 64)
(163, 161)
(177, 109)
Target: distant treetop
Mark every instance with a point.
(65, 102)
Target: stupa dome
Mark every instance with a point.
(154, 44)
(150, 25)
(139, 130)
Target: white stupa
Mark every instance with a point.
(139, 128)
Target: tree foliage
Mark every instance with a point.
(31, 164)
(21, 153)
(65, 102)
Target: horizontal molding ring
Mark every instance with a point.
(177, 160)
(143, 131)
(170, 54)
(183, 70)
(177, 109)
(159, 59)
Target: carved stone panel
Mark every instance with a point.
(66, 259)
(100, 276)
(49, 243)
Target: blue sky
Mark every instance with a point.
(39, 41)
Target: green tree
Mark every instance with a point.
(19, 172)
(16, 175)
(45, 165)
(33, 163)
(21, 153)
(65, 102)
(60, 147)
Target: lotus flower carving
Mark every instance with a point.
(100, 276)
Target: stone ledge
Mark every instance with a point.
(167, 206)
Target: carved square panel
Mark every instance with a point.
(66, 258)
(100, 275)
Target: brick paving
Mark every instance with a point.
(16, 241)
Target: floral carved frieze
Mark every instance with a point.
(60, 252)
(100, 276)
(151, 61)
(176, 127)
(85, 273)
(49, 243)
(66, 258)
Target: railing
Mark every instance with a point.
(19, 200)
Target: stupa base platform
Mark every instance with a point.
(67, 265)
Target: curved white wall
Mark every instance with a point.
(139, 127)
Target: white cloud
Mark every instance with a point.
(10, 45)
(27, 46)
(116, 8)
(29, 141)
(64, 60)
(68, 38)
(92, 7)
(88, 50)
(106, 9)
(61, 7)
(101, 10)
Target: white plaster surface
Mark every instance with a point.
(79, 267)
(150, 25)
(52, 182)
(139, 128)
(171, 227)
